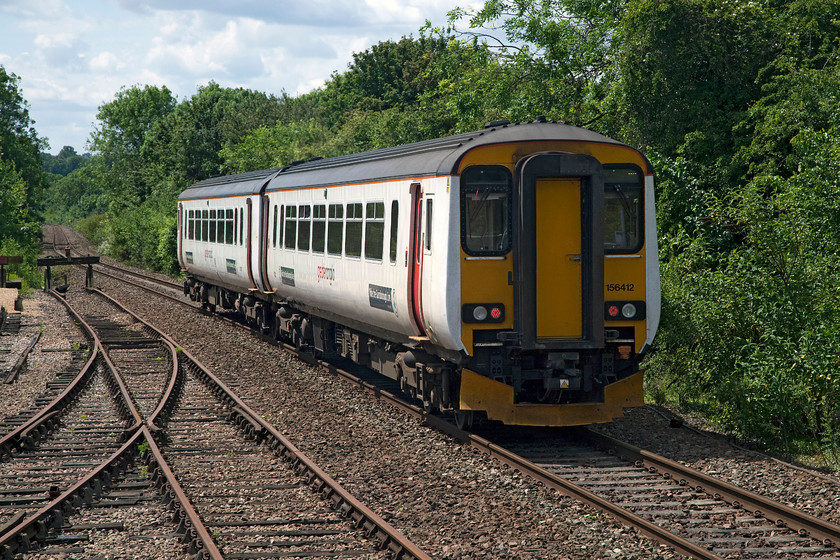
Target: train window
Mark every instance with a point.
(212, 226)
(353, 235)
(374, 230)
(429, 202)
(291, 226)
(623, 209)
(241, 226)
(395, 215)
(335, 231)
(191, 224)
(486, 192)
(229, 226)
(304, 219)
(319, 228)
(235, 225)
(204, 224)
(274, 228)
(220, 226)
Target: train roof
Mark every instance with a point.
(426, 158)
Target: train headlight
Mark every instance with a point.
(483, 313)
(479, 313)
(624, 310)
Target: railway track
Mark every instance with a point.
(180, 419)
(691, 512)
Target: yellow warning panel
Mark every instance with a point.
(496, 399)
(559, 266)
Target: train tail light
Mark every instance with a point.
(624, 310)
(483, 313)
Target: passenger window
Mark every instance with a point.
(374, 230)
(241, 226)
(623, 209)
(191, 224)
(335, 233)
(486, 192)
(204, 224)
(235, 225)
(220, 226)
(429, 202)
(229, 226)
(353, 235)
(291, 226)
(304, 219)
(395, 215)
(319, 228)
(212, 226)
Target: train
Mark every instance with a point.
(509, 274)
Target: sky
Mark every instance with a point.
(74, 55)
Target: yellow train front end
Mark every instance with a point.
(559, 280)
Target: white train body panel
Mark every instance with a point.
(224, 263)
(373, 290)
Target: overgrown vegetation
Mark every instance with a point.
(736, 104)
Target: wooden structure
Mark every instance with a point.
(50, 262)
(4, 260)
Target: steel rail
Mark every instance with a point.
(251, 422)
(12, 374)
(807, 525)
(376, 527)
(43, 420)
(17, 538)
(192, 526)
(176, 379)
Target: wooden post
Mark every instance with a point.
(4, 260)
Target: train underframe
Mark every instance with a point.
(536, 377)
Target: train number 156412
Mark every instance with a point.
(621, 287)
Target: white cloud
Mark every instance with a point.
(77, 55)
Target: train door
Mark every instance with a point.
(415, 256)
(559, 253)
(249, 242)
(182, 233)
(559, 273)
(264, 245)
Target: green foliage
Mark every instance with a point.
(266, 148)
(19, 142)
(77, 195)
(65, 162)
(26, 271)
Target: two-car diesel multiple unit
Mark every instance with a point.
(511, 271)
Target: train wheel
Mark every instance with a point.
(464, 419)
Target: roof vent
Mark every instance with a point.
(493, 124)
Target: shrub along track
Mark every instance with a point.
(207, 460)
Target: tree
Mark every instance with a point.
(19, 142)
(122, 139)
(213, 119)
(65, 162)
